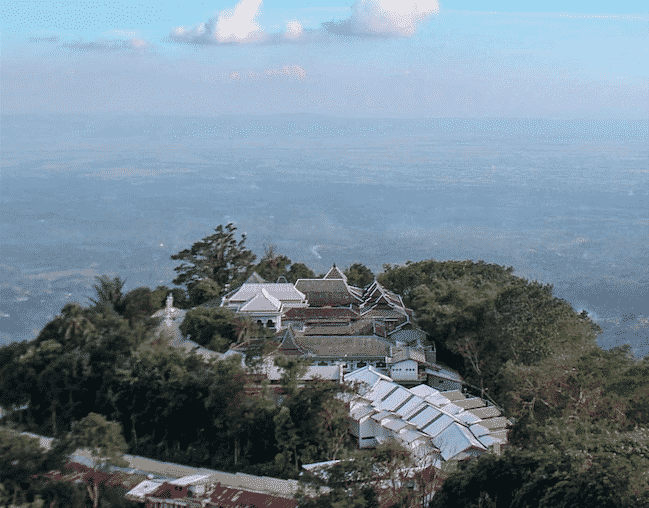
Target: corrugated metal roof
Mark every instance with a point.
(367, 375)
(411, 435)
(478, 430)
(380, 389)
(487, 440)
(381, 415)
(454, 440)
(501, 435)
(393, 401)
(468, 418)
(361, 412)
(437, 400)
(453, 395)
(500, 422)
(142, 489)
(437, 426)
(394, 424)
(471, 403)
(424, 390)
(414, 410)
(452, 409)
(485, 412)
(425, 417)
(190, 480)
(409, 406)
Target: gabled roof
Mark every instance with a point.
(262, 302)
(456, 439)
(254, 278)
(362, 412)
(288, 345)
(326, 292)
(335, 273)
(367, 375)
(403, 354)
(281, 291)
(407, 336)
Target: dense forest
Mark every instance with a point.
(581, 413)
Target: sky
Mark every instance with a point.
(369, 58)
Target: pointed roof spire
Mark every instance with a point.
(335, 273)
(254, 279)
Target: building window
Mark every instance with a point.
(361, 364)
(260, 322)
(270, 324)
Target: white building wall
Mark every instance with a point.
(404, 371)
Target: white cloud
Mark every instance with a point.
(385, 17)
(294, 29)
(238, 24)
(231, 25)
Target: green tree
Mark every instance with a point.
(359, 275)
(565, 463)
(21, 458)
(215, 327)
(287, 437)
(105, 443)
(299, 271)
(61, 495)
(109, 292)
(161, 293)
(139, 304)
(204, 291)
(293, 370)
(272, 265)
(218, 257)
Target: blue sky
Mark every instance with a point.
(369, 58)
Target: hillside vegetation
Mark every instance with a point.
(581, 412)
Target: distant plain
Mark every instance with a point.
(563, 202)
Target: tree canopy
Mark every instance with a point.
(359, 275)
(218, 257)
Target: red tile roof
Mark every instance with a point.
(225, 497)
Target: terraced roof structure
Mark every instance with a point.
(423, 416)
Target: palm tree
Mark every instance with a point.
(76, 323)
(109, 292)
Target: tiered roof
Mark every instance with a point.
(421, 413)
(327, 292)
